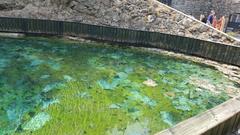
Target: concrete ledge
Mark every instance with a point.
(220, 120)
(11, 35)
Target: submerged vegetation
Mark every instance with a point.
(49, 86)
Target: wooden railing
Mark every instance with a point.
(221, 120)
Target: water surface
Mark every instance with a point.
(50, 86)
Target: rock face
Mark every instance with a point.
(135, 14)
(10, 5)
(197, 7)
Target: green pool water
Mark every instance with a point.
(51, 86)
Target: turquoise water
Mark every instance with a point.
(89, 88)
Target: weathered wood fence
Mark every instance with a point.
(221, 120)
(215, 51)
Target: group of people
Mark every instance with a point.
(213, 21)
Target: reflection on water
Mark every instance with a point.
(56, 87)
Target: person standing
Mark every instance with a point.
(203, 18)
(215, 21)
(223, 20)
(221, 23)
(210, 18)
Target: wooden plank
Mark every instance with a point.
(209, 132)
(165, 132)
(226, 110)
(227, 127)
(215, 130)
(234, 129)
(208, 120)
(220, 129)
(238, 125)
(196, 125)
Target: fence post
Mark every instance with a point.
(24, 25)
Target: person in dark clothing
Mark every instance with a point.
(203, 18)
(210, 18)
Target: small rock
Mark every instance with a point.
(150, 83)
(170, 94)
(186, 22)
(151, 18)
(114, 106)
(68, 78)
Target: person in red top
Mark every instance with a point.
(221, 23)
(215, 21)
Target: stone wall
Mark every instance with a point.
(148, 15)
(226, 7)
(197, 7)
(192, 7)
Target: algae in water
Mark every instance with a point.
(37, 122)
(48, 84)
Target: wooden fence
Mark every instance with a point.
(215, 51)
(221, 120)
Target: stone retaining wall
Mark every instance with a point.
(148, 15)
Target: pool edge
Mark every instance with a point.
(223, 119)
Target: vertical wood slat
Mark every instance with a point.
(235, 128)
(220, 129)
